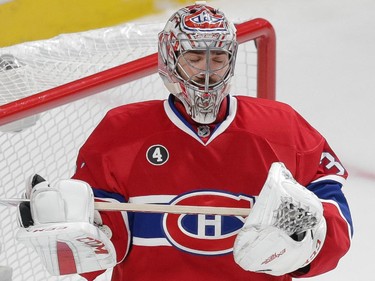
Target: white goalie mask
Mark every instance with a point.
(197, 53)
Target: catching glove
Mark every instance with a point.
(285, 229)
(58, 225)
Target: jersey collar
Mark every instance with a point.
(178, 120)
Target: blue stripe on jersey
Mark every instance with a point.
(178, 114)
(331, 190)
(108, 195)
(148, 225)
(144, 225)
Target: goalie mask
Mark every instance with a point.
(197, 52)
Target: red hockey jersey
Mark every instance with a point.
(147, 153)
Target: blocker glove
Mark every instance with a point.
(58, 224)
(285, 229)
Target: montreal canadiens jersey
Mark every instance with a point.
(147, 153)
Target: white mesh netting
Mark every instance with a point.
(50, 146)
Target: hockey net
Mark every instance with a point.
(54, 92)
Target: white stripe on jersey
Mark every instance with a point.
(150, 242)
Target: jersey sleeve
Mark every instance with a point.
(321, 172)
(94, 168)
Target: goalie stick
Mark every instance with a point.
(152, 208)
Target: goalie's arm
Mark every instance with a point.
(323, 174)
(98, 175)
(118, 222)
(339, 228)
(321, 171)
(119, 227)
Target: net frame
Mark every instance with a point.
(259, 30)
(42, 149)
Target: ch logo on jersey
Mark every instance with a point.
(205, 234)
(157, 155)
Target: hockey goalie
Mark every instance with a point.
(202, 146)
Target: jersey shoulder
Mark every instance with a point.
(263, 115)
(134, 117)
(127, 122)
(276, 122)
(135, 109)
(266, 106)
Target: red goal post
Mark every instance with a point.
(106, 68)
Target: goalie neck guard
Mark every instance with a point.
(197, 53)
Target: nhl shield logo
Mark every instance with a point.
(205, 234)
